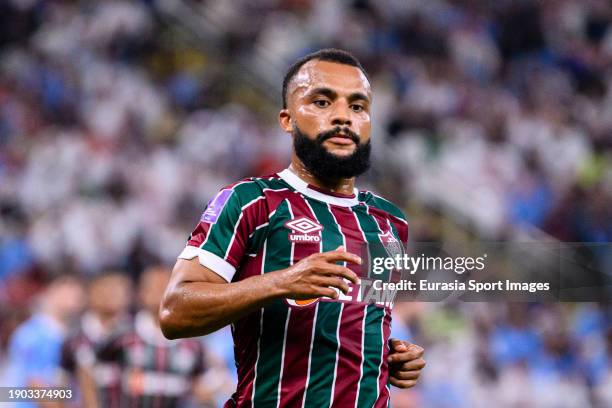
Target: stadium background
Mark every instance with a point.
(492, 120)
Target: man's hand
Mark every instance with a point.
(405, 363)
(317, 275)
(198, 301)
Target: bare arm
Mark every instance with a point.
(198, 301)
(89, 396)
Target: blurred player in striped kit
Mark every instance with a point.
(98, 381)
(155, 372)
(276, 257)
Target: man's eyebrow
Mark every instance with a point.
(331, 94)
(358, 96)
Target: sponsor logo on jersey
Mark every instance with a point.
(214, 207)
(302, 302)
(307, 230)
(365, 293)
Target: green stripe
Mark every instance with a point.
(275, 183)
(325, 343)
(372, 348)
(222, 231)
(375, 248)
(382, 204)
(269, 364)
(323, 362)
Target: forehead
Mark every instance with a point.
(342, 78)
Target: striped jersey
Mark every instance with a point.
(79, 351)
(155, 371)
(315, 353)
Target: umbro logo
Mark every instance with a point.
(306, 227)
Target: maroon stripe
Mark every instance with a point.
(295, 364)
(301, 320)
(246, 334)
(351, 231)
(383, 396)
(350, 353)
(402, 227)
(199, 234)
(379, 217)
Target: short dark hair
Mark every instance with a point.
(326, 54)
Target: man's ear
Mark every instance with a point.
(284, 120)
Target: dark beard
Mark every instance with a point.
(326, 166)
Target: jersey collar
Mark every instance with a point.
(302, 187)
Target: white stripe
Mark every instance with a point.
(360, 229)
(331, 399)
(300, 185)
(292, 243)
(263, 262)
(244, 207)
(382, 352)
(257, 228)
(339, 230)
(314, 322)
(280, 377)
(314, 325)
(365, 312)
(209, 260)
(276, 189)
(317, 220)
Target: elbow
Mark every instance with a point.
(170, 319)
(176, 320)
(167, 323)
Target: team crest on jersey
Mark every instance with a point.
(307, 230)
(391, 244)
(214, 207)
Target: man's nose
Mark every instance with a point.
(341, 115)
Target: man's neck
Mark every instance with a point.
(341, 186)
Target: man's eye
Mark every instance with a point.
(357, 108)
(321, 103)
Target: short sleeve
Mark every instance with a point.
(220, 238)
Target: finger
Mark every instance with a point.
(402, 383)
(398, 345)
(413, 352)
(330, 281)
(406, 375)
(340, 255)
(409, 355)
(340, 271)
(417, 364)
(325, 291)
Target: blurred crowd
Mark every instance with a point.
(120, 119)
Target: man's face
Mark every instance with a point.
(328, 113)
(110, 296)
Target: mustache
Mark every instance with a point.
(323, 136)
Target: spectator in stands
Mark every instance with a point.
(35, 347)
(98, 382)
(154, 370)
